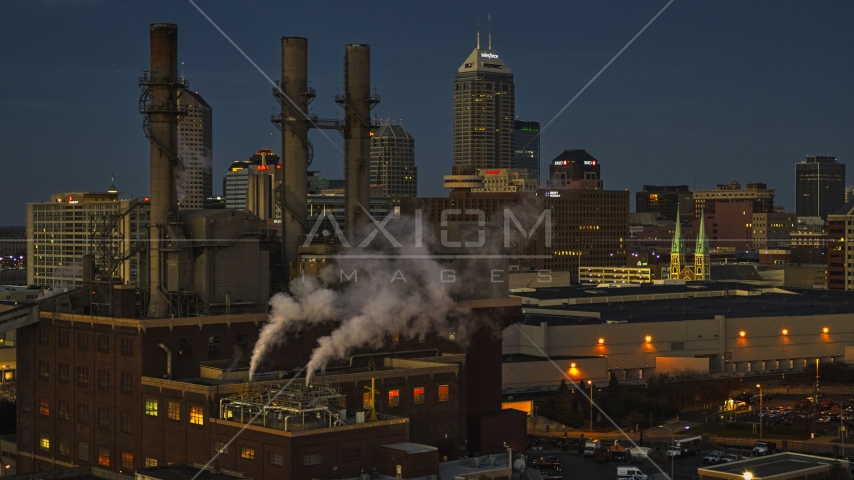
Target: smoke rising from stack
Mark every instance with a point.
(391, 295)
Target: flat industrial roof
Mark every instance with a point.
(769, 466)
(593, 291)
(411, 448)
(522, 357)
(761, 304)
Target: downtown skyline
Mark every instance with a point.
(709, 93)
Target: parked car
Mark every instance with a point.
(823, 419)
(713, 458)
(730, 457)
(552, 463)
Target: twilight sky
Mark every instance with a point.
(713, 91)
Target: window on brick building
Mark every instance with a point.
(214, 345)
(82, 341)
(242, 342)
(197, 415)
(342, 401)
(127, 460)
(103, 380)
(221, 447)
(62, 372)
(173, 411)
(64, 446)
(62, 410)
(151, 407)
(44, 406)
(104, 456)
(366, 401)
(44, 441)
(104, 418)
(354, 453)
(62, 338)
(444, 393)
(44, 336)
(83, 376)
(312, 459)
(127, 422)
(127, 346)
(247, 453)
(393, 398)
(418, 395)
(44, 370)
(83, 451)
(103, 343)
(127, 383)
(26, 437)
(150, 462)
(82, 414)
(24, 367)
(276, 458)
(186, 346)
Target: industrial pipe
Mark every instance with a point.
(168, 360)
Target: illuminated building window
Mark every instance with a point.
(44, 441)
(393, 398)
(44, 406)
(151, 407)
(150, 462)
(197, 415)
(247, 453)
(127, 460)
(366, 400)
(418, 395)
(444, 393)
(221, 447)
(173, 411)
(104, 456)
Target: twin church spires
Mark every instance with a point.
(678, 266)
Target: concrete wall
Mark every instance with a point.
(522, 376)
(677, 365)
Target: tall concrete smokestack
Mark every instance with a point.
(159, 104)
(357, 107)
(294, 173)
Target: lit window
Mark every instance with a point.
(366, 401)
(44, 406)
(104, 456)
(393, 398)
(444, 393)
(173, 412)
(418, 395)
(150, 462)
(247, 453)
(221, 447)
(44, 442)
(127, 460)
(151, 407)
(197, 415)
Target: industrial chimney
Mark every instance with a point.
(159, 104)
(293, 179)
(357, 102)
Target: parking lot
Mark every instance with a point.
(577, 467)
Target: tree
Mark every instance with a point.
(836, 472)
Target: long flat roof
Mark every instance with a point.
(769, 466)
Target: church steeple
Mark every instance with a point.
(677, 249)
(701, 253)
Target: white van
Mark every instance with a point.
(626, 473)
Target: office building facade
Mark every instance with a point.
(195, 149)
(526, 135)
(484, 111)
(760, 197)
(393, 162)
(665, 200)
(819, 187)
(574, 168)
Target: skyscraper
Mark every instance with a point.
(820, 186)
(195, 149)
(393, 162)
(527, 152)
(484, 111)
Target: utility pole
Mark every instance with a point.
(590, 382)
(760, 410)
(815, 399)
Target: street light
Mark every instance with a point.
(748, 476)
(760, 410)
(590, 382)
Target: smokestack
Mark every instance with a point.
(357, 108)
(294, 172)
(161, 128)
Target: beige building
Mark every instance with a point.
(772, 230)
(757, 193)
(61, 234)
(616, 275)
(506, 180)
(195, 149)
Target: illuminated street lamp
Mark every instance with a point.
(648, 338)
(601, 341)
(785, 331)
(825, 330)
(748, 476)
(590, 382)
(760, 410)
(742, 334)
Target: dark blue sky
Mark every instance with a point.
(713, 91)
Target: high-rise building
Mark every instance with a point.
(527, 155)
(62, 233)
(506, 180)
(665, 201)
(235, 184)
(195, 149)
(393, 162)
(484, 111)
(820, 186)
(250, 184)
(760, 197)
(574, 168)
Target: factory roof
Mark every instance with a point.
(768, 467)
(184, 471)
(521, 358)
(411, 448)
(592, 291)
(731, 303)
